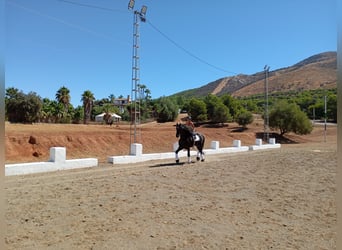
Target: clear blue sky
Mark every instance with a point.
(87, 44)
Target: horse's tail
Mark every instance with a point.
(201, 141)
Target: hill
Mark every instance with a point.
(317, 71)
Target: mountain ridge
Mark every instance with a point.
(317, 71)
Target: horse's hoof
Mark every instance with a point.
(197, 158)
(177, 161)
(202, 160)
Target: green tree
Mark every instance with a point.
(144, 94)
(217, 112)
(87, 99)
(141, 91)
(78, 115)
(63, 97)
(166, 109)
(11, 93)
(287, 117)
(197, 109)
(220, 113)
(32, 107)
(20, 107)
(111, 98)
(250, 105)
(147, 94)
(244, 118)
(233, 105)
(48, 110)
(332, 107)
(211, 101)
(12, 96)
(58, 111)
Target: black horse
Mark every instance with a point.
(187, 140)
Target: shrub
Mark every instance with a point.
(244, 118)
(287, 117)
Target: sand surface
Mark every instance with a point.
(270, 199)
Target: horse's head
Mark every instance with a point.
(178, 128)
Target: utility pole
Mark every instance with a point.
(325, 118)
(135, 96)
(266, 117)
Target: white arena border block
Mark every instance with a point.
(258, 144)
(215, 148)
(137, 155)
(57, 162)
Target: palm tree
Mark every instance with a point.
(63, 97)
(142, 88)
(147, 94)
(87, 99)
(111, 98)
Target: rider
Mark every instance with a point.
(191, 127)
(189, 123)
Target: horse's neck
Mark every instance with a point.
(187, 129)
(185, 133)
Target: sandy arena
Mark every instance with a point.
(270, 199)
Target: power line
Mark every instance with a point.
(93, 6)
(160, 32)
(187, 51)
(75, 26)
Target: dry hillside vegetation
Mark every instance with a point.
(315, 72)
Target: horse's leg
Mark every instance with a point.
(189, 157)
(199, 155)
(176, 152)
(202, 155)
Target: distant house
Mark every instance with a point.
(100, 117)
(121, 103)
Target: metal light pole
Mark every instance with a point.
(266, 118)
(135, 97)
(325, 118)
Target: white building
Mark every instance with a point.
(115, 117)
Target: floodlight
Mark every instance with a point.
(143, 13)
(131, 4)
(143, 10)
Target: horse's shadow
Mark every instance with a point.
(170, 164)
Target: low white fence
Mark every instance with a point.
(58, 160)
(138, 156)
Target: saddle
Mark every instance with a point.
(194, 138)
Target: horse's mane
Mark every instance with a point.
(185, 128)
